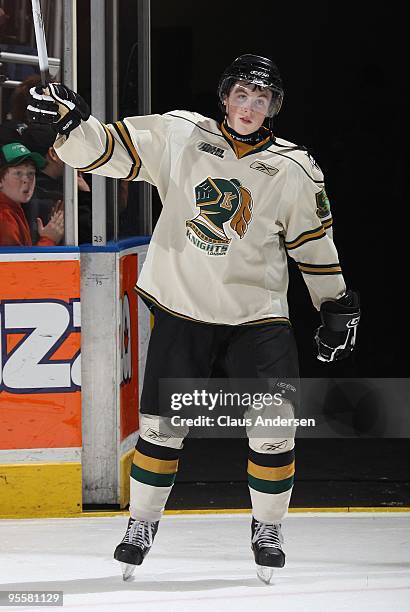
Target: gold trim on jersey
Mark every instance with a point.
(320, 268)
(314, 234)
(125, 137)
(150, 298)
(106, 156)
(283, 320)
(328, 223)
(218, 191)
(203, 236)
(242, 148)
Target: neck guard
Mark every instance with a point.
(250, 139)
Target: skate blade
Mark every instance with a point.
(264, 573)
(127, 571)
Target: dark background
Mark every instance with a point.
(346, 77)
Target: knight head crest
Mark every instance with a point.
(220, 201)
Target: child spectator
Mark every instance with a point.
(18, 167)
(49, 182)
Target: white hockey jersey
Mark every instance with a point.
(231, 213)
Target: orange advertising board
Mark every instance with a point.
(40, 368)
(129, 385)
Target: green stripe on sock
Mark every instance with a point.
(150, 478)
(270, 486)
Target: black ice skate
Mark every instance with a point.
(267, 543)
(135, 545)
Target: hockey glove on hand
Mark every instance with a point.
(335, 339)
(57, 105)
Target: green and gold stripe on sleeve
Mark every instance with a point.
(314, 234)
(328, 223)
(319, 268)
(125, 137)
(106, 156)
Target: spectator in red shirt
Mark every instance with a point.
(17, 182)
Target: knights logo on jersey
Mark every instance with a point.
(220, 201)
(323, 204)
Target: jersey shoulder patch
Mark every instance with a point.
(322, 203)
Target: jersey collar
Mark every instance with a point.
(242, 148)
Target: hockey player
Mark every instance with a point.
(236, 200)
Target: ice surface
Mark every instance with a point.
(353, 562)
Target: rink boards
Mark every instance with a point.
(72, 348)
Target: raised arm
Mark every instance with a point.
(130, 149)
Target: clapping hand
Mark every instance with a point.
(54, 230)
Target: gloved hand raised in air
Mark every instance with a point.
(57, 105)
(335, 339)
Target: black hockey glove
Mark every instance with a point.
(57, 105)
(335, 339)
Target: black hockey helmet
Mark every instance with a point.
(257, 70)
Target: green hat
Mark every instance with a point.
(15, 153)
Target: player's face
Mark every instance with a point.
(19, 182)
(247, 106)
